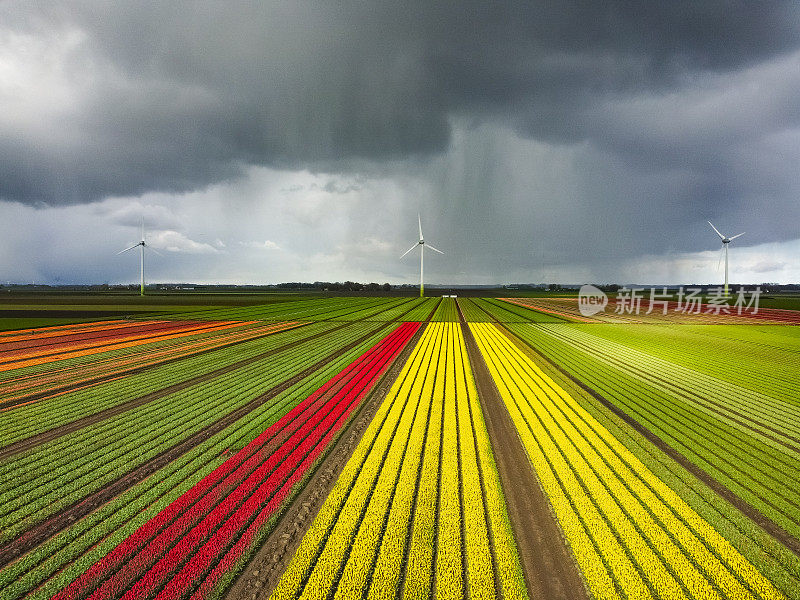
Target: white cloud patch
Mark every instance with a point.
(174, 241)
(121, 211)
(265, 245)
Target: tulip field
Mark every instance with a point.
(415, 509)
(398, 447)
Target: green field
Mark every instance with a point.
(667, 454)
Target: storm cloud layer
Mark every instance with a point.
(571, 131)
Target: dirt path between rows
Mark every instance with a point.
(62, 430)
(748, 422)
(772, 528)
(265, 569)
(547, 563)
(44, 530)
(135, 370)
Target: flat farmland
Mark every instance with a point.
(365, 447)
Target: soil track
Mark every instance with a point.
(549, 568)
(740, 418)
(772, 528)
(57, 432)
(56, 523)
(49, 527)
(133, 371)
(263, 572)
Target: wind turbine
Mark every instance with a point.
(724, 250)
(141, 245)
(421, 244)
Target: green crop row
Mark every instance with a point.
(42, 482)
(779, 564)
(25, 421)
(472, 312)
(51, 566)
(378, 312)
(773, 421)
(446, 312)
(423, 309)
(754, 471)
(399, 311)
(315, 309)
(762, 358)
(504, 311)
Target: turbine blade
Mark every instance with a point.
(721, 252)
(722, 237)
(737, 235)
(434, 249)
(410, 249)
(151, 249)
(126, 249)
(419, 221)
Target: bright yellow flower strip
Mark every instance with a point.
(622, 522)
(426, 448)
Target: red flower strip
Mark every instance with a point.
(238, 487)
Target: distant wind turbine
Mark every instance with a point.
(724, 250)
(421, 244)
(141, 245)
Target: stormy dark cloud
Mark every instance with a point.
(177, 95)
(573, 132)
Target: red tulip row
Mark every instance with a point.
(102, 335)
(143, 355)
(17, 360)
(181, 544)
(39, 333)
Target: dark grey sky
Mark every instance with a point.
(269, 141)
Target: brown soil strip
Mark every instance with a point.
(775, 530)
(51, 434)
(44, 530)
(265, 569)
(57, 432)
(746, 421)
(136, 370)
(549, 568)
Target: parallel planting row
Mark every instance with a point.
(163, 457)
(70, 369)
(197, 542)
(418, 511)
(631, 534)
(716, 425)
(84, 469)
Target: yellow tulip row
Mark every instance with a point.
(418, 510)
(630, 533)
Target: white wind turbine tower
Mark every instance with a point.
(421, 244)
(141, 245)
(724, 250)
